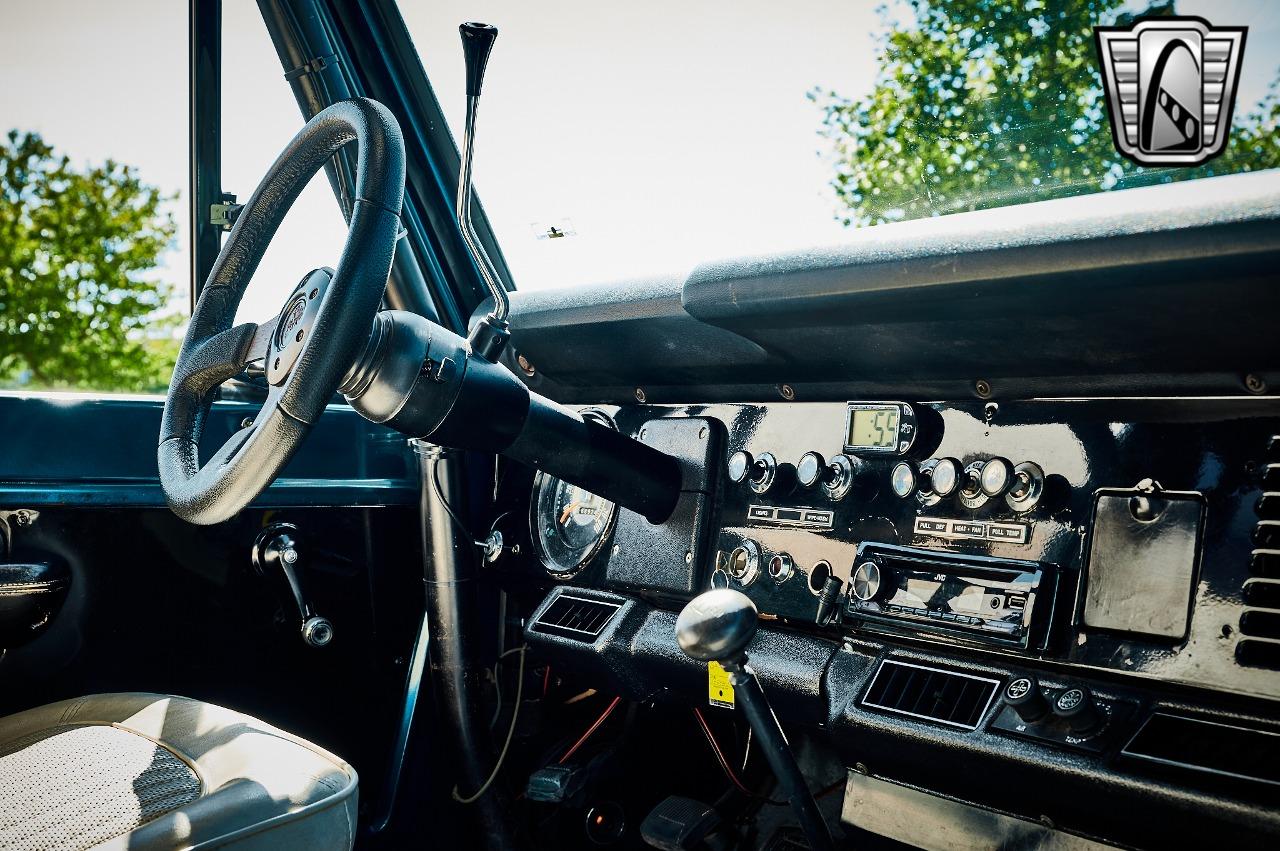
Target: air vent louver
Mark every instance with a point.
(959, 700)
(1208, 746)
(1259, 644)
(579, 618)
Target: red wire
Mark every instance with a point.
(720, 754)
(728, 769)
(590, 730)
(546, 681)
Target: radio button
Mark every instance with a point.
(865, 582)
(1024, 696)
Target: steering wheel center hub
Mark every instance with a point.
(295, 325)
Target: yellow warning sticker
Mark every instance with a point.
(719, 689)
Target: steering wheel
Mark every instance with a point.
(309, 347)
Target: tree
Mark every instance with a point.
(77, 305)
(983, 103)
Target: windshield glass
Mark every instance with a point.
(620, 140)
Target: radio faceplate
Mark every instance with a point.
(997, 601)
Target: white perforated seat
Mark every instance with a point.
(146, 771)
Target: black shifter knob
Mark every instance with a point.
(717, 625)
(477, 41)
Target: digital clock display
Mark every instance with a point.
(873, 427)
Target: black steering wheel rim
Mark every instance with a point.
(213, 351)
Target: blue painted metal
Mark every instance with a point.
(76, 449)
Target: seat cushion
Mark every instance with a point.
(146, 771)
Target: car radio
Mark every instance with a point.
(977, 598)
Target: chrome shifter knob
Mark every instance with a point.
(717, 625)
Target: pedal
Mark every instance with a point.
(679, 824)
(556, 784)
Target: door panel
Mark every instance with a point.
(156, 604)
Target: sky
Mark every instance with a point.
(663, 133)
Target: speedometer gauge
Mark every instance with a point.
(569, 524)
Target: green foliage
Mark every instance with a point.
(983, 103)
(77, 307)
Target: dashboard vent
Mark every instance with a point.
(1259, 645)
(1208, 746)
(578, 618)
(959, 700)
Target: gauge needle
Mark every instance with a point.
(568, 511)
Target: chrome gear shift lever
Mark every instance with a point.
(717, 626)
(490, 334)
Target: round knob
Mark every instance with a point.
(902, 480)
(781, 567)
(945, 477)
(810, 469)
(716, 625)
(1024, 695)
(865, 582)
(763, 472)
(317, 631)
(744, 562)
(1076, 707)
(996, 476)
(739, 465)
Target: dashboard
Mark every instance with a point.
(1069, 589)
(1004, 488)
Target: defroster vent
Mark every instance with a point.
(958, 700)
(1209, 746)
(1259, 644)
(579, 618)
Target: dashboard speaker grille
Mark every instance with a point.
(958, 700)
(1259, 645)
(578, 618)
(1208, 746)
